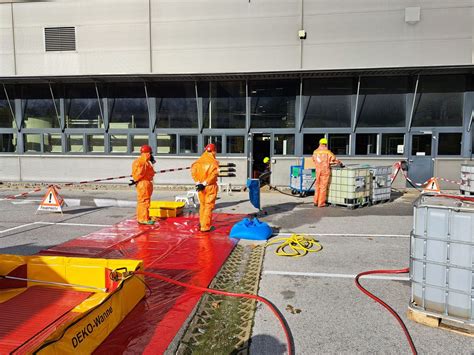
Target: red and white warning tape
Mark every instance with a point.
(169, 170)
(451, 181)
(23, 194)
(397, 167)
(97, 180)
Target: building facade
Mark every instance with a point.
(85, 83)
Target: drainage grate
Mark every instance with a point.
(223, 325)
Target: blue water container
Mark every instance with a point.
(254, 192)
(251, 229)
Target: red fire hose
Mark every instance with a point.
(275, 311)
(390, 309)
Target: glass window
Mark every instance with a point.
(176, 105)
(127, 106)
(235, 144)
(95, 143)
(366, 144)
(82, 108)
(118, 143)
(6, 117)
(217, 140)
(223, 104)
(39, 108)
(421, 144)
(166, 143)
(449, 143)
(393, 144)
(8, 143)
(382, 102)
(328, 102)
(311, 142)
(52, 143)
(188, 144)
(137, 141)
(284, 144)
(339, 143)
(32, 143)
(273, 103)
(439, 101)
(75, 143)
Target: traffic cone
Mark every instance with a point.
(431, 186)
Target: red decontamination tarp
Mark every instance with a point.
(173, 247)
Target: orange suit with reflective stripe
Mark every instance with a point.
(205, 170)
(142, 173)
(323, 159)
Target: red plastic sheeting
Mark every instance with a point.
(174, 248)
(36, 310)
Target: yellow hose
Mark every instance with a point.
(298, 244)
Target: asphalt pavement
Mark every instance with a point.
(315, 293)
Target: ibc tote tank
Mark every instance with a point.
(467, 179)
(442, 258)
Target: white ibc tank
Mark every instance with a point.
(442, 258)
(467, 179)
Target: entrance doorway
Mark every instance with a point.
(420, 162)
(261, 148)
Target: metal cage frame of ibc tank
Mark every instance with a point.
(381, 193)
(338, 182)
(467, 180)
(466, 323)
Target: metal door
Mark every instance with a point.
(259, 147)
(249, 155)
(420, 162)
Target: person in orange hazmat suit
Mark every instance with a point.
(142, 174)
(205, 171)
(323, 160)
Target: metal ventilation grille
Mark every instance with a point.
(60, 39)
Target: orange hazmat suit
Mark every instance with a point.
(205, 171)
(142, 173)
(323, 159)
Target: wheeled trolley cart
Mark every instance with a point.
(302, 180)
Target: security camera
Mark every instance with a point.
(302, 34)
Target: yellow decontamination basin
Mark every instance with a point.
(165, 208)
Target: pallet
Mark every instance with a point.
(377, 202)
(349, 206)
(434, 321)
(352, 203)
(467, 193)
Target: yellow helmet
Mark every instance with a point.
(266, 160)
(323, 141)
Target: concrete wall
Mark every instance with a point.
(6, 41)
(219, 36)
(73, 168)
(450, 169)
(111, 37)
(225, 36)
(373, 33)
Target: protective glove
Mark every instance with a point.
(132, 182)
(152, 159)
(200, 187)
